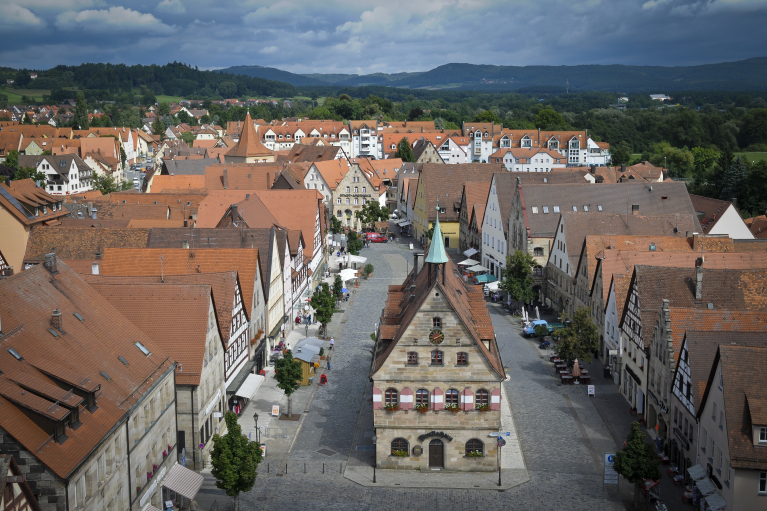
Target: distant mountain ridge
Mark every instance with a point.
(749, 74)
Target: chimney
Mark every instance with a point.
(416, 263)
(226, 179)
(50, 263)
(623, 167)
(185, 244)
(268, 180)
(95, 268)
(688, 234)
(186, 224)
(699, 280)
(56, 321)
(593, 170)
(235, 213)
(635, 209)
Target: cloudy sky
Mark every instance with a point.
(362, 36)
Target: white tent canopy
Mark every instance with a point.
(250, 386)
(405, 223)
(492, 286)
(348, 274)
(470, 252)
(477, 268)
(355, 259)
(183, 481)
(468, 262)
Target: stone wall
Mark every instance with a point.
(48, 488)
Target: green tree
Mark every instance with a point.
(234, 460)
(188, 137)
(163, 109)
(541, 331)
(517, 276)
(680, 162)
(548, 119)
(148, 98)
(338, 288)
(320, 113)
(354, 243)
(703, 159)
(81, 113)
(26, 119)
(22, 78)
(107, 184)
(580, 339)
(30, 173)
(3, 101)
(288, 372)
(335, 225)
(754, 202)
(12, 159)
(404, 151)
(324, 304)
(487, 116)
(373, 212)
(621, 153)
(158, 128)
(637, 461)
(735, 178)
(414, 114)
(227, 89)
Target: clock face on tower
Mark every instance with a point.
(436, 336)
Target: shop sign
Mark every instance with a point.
(437, 434)
(662, 407)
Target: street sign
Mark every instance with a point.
(275, 410)
(610, 475)
(501, 442)
(500, 433)
(591, 390)
(218, 415)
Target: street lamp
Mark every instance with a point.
(258, 431)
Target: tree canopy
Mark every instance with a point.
(580, 339)
(288, 372)
(638, 460)
(517, 276)
(404, 151)
(234, 460)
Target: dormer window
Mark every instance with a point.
(763, 435)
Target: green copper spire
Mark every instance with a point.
(437, 253)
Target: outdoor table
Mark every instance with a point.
(585, 379)
(672, 470)
(554, 358)
(585, 372)
(679, 479)
(567, 380)
(561, 366)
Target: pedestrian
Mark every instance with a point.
(327, 359)
(332, 342)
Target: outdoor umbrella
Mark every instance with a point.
(344, 290)
(537, 314)
(576, 370)
(486, 278)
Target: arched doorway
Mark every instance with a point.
(348, 217)
(652, 417)
(436, 454)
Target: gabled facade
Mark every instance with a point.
(364, 138)
(436, 372)
(351, 194)
(66, 174)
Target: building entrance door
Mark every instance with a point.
(436, 454)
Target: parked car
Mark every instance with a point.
(529, 329)
(374, 237)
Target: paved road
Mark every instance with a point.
(561, 438)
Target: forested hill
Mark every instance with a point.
(173, 79)
(748, 74)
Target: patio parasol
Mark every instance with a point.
(576, 372)
(537, 314)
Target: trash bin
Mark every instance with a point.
(607, 372)
(311, 379)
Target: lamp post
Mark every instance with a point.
(375, 457)
(258, 431)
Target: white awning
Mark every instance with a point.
(250, 386)
(468, 262)
(470, 252)
(705, 486)
(348, 274)
(405, 223)
(492, 286)
(716, 502)
(697, 472)
(355, 259)
(183, 481)
(477, 268)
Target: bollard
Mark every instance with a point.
(304, 468)
(323, 468)
(267, 468)
(286, 468)
(341, 468)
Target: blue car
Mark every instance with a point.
(529, 329)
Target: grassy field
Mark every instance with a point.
(168, 99)
(14, 95)
(753, 156)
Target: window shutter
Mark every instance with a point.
(467, 399)
(377, 399)
(495, 399)
(406, 399)
(437, 399)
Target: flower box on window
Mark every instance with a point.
(475, 454)
(155, 466)
(483, 408)
(453, 408)
(401, 454)
(391, 407)
(422, 408)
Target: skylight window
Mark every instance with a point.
(545, 209)
(535, 210)
(556, 209)
(53, 332)
(575, 208)
(599, 208)
(78, 316)
(15, 353)
(106, 376)
(142, 348)
(121, 359)
(586, 209)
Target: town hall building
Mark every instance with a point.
(436, 372)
